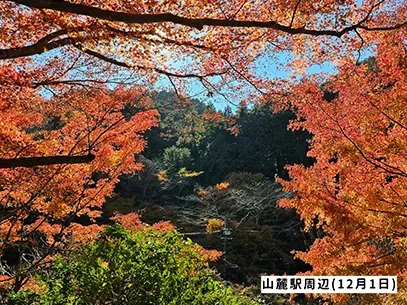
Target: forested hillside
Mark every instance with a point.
(216, 174)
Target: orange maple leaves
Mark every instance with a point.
(356, 190)
(41, 204)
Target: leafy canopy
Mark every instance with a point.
(356, 189)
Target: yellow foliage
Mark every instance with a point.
(104, 265)
(162, 175)
(185, 173)
(202, 193)
(116, 158)
(214, 225)
(222, 186)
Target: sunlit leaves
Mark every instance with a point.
(41, 204)
(355, 192)
(150, 266)
(214, 225)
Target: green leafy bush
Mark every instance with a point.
(135, 267)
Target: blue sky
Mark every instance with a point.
(265, 68)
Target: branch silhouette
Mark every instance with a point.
(50, 160)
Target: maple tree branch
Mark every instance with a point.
(390, 169)
(47, 43)
(24, 274)
(41, 45)
(162, 39)
(239, 9)
(369, 13)
(160, 71)
(174, 86)
(198, 23)
(203, 81)
(34, 195)
(244, 77)
(388, 212)
(36, 161)
(386, 115)
(295, 11)
(373, 29)
(57, 237)
(362, 41)
(77, 82)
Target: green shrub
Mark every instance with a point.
(134, 268)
